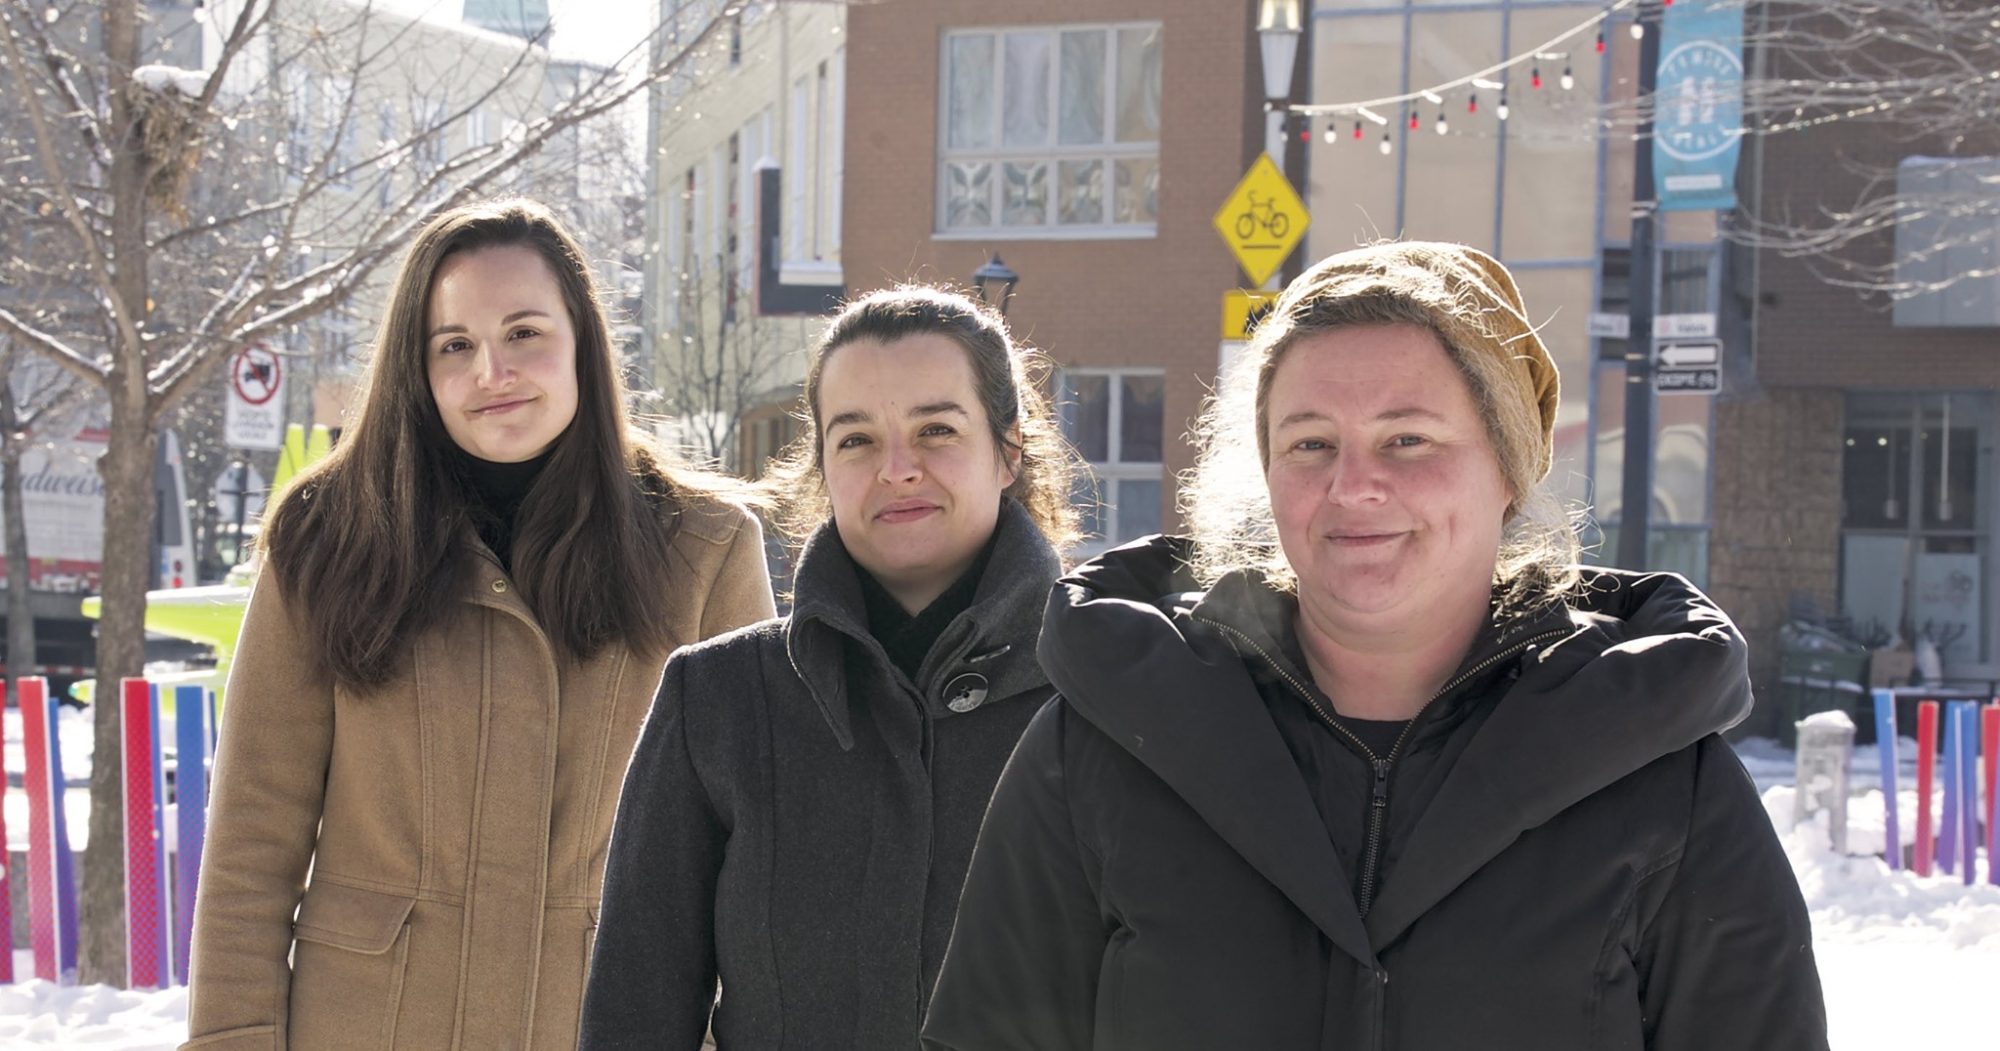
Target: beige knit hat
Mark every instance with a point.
(1472, 297)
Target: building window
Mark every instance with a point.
(1051, 130)
(1914, 536)
(1115, 420)
(300, 138)
(385, 147)
(476, 134)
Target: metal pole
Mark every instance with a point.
(1296, 156)
(1635, 514)
(242, 505)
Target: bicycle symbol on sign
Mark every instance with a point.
(1262, 213)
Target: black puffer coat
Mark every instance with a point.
(798, 816)
(1570, 857)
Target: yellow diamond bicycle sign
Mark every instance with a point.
(1262, 220)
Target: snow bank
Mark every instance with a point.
(37, 1014)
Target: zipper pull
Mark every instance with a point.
(1381, 799)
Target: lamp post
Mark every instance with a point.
(1280, 29)
(995, 272)
(1280, 24)
(1636, 491)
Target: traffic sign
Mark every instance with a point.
(1687, 368)
(1242, 309)
(254, 415)
(1611, 326)
(1684, 326)
(1262, 220)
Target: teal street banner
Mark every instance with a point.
(1698, 121)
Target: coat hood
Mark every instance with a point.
(1634, 667)
(829, 622)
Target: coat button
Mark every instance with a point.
(499, 587)
(965, 691)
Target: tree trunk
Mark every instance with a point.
(20, 615)
(127, 472)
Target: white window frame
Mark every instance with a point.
(714, 187)
(751, 146)
(796, 172)
(476, 129)
(1115, 469)
(1110, 151)
(833, 153)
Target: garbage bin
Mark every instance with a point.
(1819, 671)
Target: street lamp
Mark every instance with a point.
(995, 272)
(1278, 32)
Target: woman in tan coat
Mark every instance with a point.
(461, 621)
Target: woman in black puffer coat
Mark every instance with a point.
(803, 800)
(1405, 778)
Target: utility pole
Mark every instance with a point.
(1636, 505)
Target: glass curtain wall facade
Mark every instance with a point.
(1546, 190)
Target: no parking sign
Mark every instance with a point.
(254, 417)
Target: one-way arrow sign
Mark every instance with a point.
(1690, 355)
(1688, 368)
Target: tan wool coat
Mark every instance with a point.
(420, 867)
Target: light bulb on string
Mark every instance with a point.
(1638, 30)
(1471, 103)
(1413, 120)
(200, 12)
(1387, 147)
(1442, 127)
(1600, 41)
(1535, 77)
(50, 14)
(1501, 110)
(1332, 134)
(1357, 131)
(1568, 80)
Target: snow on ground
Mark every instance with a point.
(73, 732)
(1905, 961)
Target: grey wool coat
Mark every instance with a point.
(798, 816)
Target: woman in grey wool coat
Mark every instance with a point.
(803, 801)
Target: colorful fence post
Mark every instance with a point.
(1990, 744)
(1927, 746)
(51, 868)
(191, 806)
(6, 868)
(1967, 715)
(1885, 747)
(145, 846)
(1948, 828)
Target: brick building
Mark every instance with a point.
(1855, 468)
(1088, 145)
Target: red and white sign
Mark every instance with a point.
(254, 417)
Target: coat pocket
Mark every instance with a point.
(352, 946)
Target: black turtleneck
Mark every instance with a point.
(495, 492)
(908, 639)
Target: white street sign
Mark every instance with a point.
(1684, 326)
(254, 415)
(1611, 326)
(227, 494)
(1687, 368)
(1690, 355)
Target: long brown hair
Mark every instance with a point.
(1006, 375)
(369, 545)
